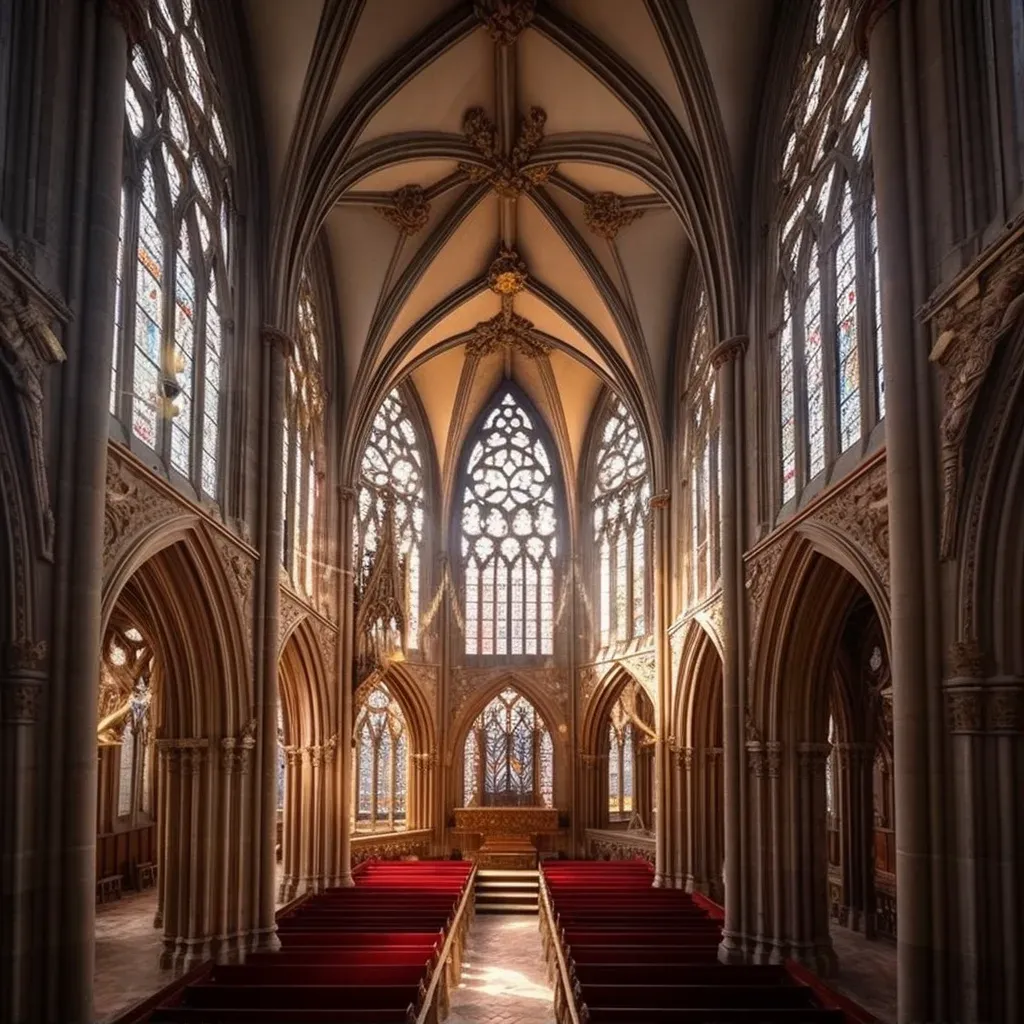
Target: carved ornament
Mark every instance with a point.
(606, 215)
(965, 710)
(968, 334)
(507, 274)
(408, 210)
(28, 346)
(507, 175)
(290, 611)
(25, 655)
(643, 668)
(277, 340)
(661, 500)
(966, 660)
(425, 677)
(728, 351)
(505, 19)
(1005, 711)
(586, 680)
(773, 759)
(235, 750)
(759, 573)
(20, 701)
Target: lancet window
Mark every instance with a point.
(302, 443)
(620, 504)
(705, 470)
(509, 535)
(392, 461)
(621, 763)
(830, 372)
(508, 758)
(172, 294)
(381, 762)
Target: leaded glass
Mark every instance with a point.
(392, 461)
(126, 778)
(381, 762)
(826, 360)
(621, 757)
(115, 366)
(876, 274)
(619, 503)
(171, 312)
(509, 532)
(508, 756)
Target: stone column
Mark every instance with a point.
(663, 676)
(346, 660)
(278, 347)
(916, 983)
(726, 359)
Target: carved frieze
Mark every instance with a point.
(21, 701)
(465, 682)
(969, 330)
(28, 346)
(860, 511)
(389, 847)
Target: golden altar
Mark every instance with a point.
(505, 837)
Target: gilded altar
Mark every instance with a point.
(506, 837)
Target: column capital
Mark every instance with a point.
(277, 339)
(865, 20)
(728, 350)
(132, 15)
(661, 500)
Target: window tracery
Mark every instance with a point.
(831, 389)
(392, 461)
(302, 441)
(704, 460)
(172, 296)
(381, 762)
(508, 757)
(509, 535)
(621, 762)
(620, 504)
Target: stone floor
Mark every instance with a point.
(503, 976)
(867, 972)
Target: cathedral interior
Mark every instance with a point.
(490, 439)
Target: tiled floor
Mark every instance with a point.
(503, 974)
(867, 972)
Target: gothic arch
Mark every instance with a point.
(696, 717)
(419, 715)
(306, 697)
(17, 555)
(598, 709)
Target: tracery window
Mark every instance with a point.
(392, 460)
(281, 758)
(620, 503)
(126, 694)
(172, 297)
(508, 758)
(509, 535)
(381, 762)
(705, 470)
(831, 800)
(303, 430)
(831, 388)
(621, 763)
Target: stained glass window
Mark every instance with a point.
(829, 336)
(620, 503)
(508, 758)
(621, 762)
(171, 277)
(280, 758)
(392, 460)
(509, 527)
(704, 461)
(831, 804)
(381, 762)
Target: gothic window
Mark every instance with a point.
(280, 758)
(703, 459)
(125, 697)
(619, 503)
(831, 801)
(508, 758)
(172, 298)
(509, 535)
(831, 390)
(392, 460)
(621, 763)
(381, 763)
(304, 406)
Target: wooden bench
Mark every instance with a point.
(108, 889)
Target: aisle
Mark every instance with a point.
(503, 975)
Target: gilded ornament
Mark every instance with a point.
(507, 274)
(505, 19)
(606, 215)
(408, 210)
(506, 330)
(507, 175)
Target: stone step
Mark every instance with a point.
(502, 883)
(506, 907)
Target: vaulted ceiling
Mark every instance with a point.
(510, 189)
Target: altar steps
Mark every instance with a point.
(506, 891)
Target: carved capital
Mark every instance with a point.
(1005, 711)
(728, 351)
(773, 759)
(504, 19)
(277, 339)
(661, 500)
(606, 215)
(20, 701)
(965, 709)
(966, 660)
(408, 210)
(25, 655)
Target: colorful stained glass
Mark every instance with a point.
(847, 356)
(508, 524)
(787, 391)
(382, 762)
(876, 273)
(639, 576)
(470, 769)
(814, 378)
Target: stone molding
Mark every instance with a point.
(643, 668)
(236, 750)
(392, 846)
(995, 707)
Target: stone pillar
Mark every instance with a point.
(278, 348)
(346, 661)
(726, 358)
(917, 984)
(661, 533)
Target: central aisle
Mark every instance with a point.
(503, 974)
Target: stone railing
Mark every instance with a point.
(391, 845)
(607, 844)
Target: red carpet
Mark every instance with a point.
(642, 955)
(365, 954)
